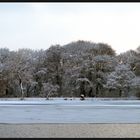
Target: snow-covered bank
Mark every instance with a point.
(71, 101)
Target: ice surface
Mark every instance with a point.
(58, 110)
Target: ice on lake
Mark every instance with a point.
(58, 110)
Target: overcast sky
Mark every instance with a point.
(40, 25)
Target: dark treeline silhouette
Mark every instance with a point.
(81, 67)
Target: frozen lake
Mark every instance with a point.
(58, 110)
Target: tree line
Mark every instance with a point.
(81, 67)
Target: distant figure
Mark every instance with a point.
(65, 98)
(82, 97)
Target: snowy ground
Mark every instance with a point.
(58, 110)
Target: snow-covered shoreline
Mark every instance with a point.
(72, 101)
(68, 98)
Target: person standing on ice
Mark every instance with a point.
(82, 97)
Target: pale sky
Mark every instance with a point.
(40, 25)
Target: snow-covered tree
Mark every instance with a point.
(19, 66)
(104, 49)
(105, 63)
(84, 85)
(74, 68)
(138, 49)
(121, 78)
(50, 90)
(54, 64)
(136, 82)
(132, 58)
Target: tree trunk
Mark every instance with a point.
(93, 91)
(21, 87)
(120, 94)
(82, 88)
(59, 83)
(97, 90)
(47, 97)
(128, 89)
(22, 92)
